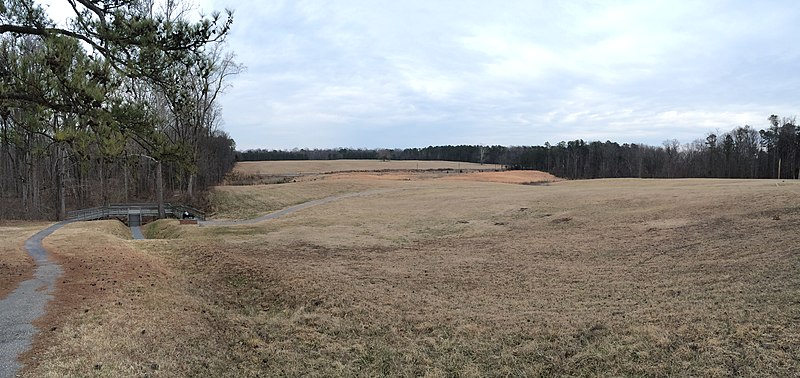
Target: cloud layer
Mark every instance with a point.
(417, 73)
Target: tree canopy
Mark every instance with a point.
(121, 81)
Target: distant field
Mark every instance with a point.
(442, 277)
(249, 201)
(330, 166)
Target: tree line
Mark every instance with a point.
(119, 105)
(743, 152)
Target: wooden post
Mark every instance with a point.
(779, 169)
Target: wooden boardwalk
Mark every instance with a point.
(134, 214)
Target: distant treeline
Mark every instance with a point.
(743, 152)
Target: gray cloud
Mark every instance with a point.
(415, 73)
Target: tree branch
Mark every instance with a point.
(36, 100)
(29, 30)
(94, 8)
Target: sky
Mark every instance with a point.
(396, 74)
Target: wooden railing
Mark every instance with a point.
(127, 209)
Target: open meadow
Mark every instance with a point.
(469, 276)
(277, 172)
(332, 166)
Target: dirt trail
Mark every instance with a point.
(26, 304)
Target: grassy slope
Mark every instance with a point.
(245, 202)
(605, 277)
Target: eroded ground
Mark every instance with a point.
(444, 278)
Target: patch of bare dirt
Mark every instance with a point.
(507, 177)
(387, 176)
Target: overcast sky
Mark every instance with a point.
(414, 73)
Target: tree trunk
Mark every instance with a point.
(5, 168)
(190, 186)
(62, 203)
(77, 187)
(26, 185)
(160, 191)
(125, 180)
(103, 186)
(35, 189)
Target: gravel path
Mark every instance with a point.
(26, 304)
(295, 208)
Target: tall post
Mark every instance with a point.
(779, 169)
(160, 190)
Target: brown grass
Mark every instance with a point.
(15, 263)
(450, 278)
(244, 202)
(119, 311)
(305, 167)
(282, 172)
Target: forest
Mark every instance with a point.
(119, 105)
(744, 152)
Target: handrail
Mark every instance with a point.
(125, 209)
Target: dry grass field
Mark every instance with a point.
(300, 167)
(250, 201)
(15, 264)
(442, 277)
(277, 172)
